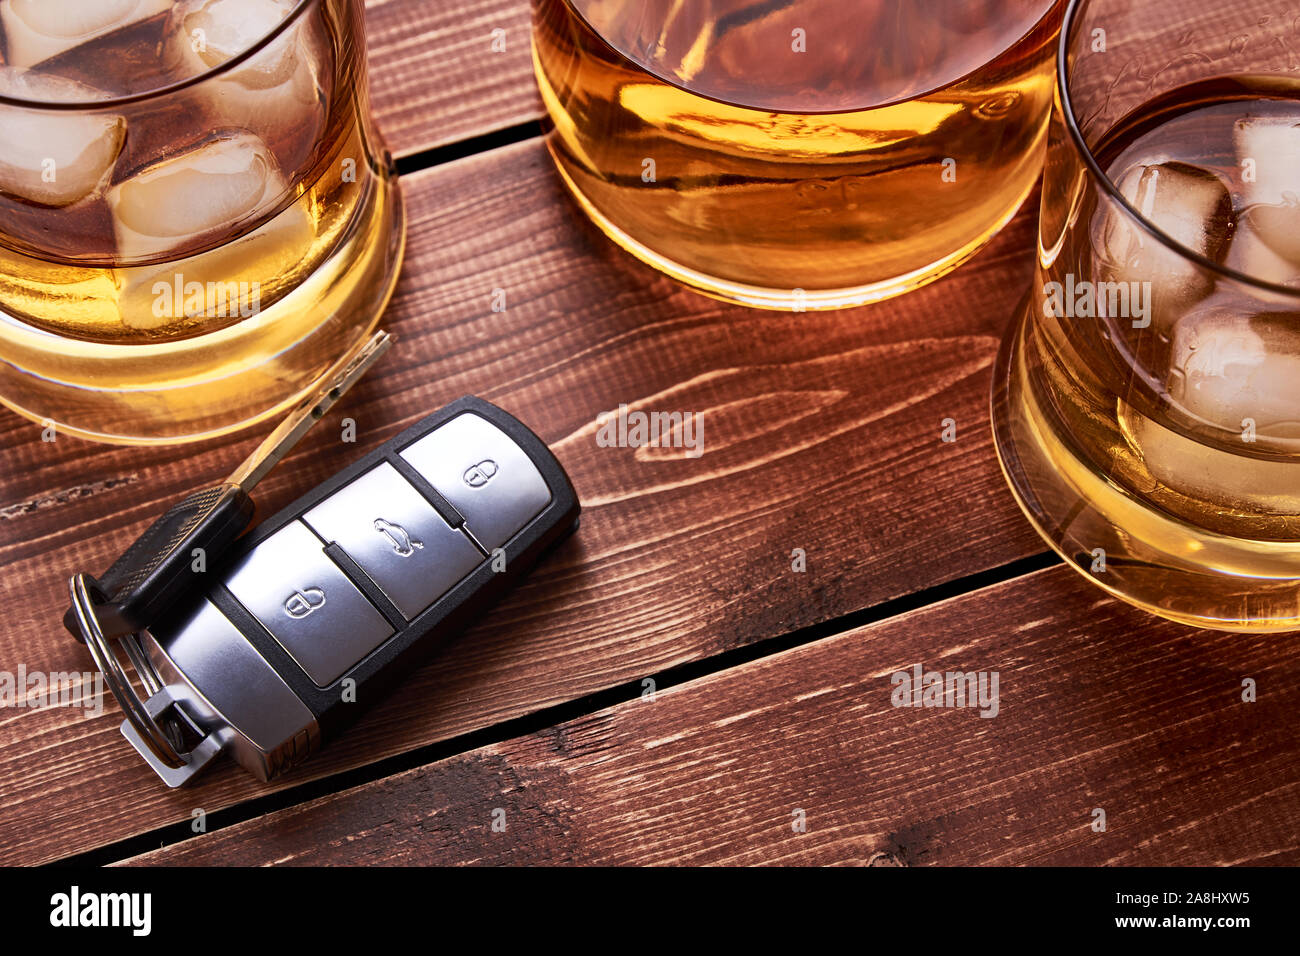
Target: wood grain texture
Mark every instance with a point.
(821, 432)
(435, 77)
(1101, 706)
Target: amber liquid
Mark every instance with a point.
(1174, 448)
(120, 320)
(872, 161)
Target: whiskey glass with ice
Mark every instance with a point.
(198, 219)
(1146, 402)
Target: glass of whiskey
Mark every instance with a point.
(797, 154)
(1146, 402)
(198, 219)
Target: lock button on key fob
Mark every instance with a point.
(306, 602)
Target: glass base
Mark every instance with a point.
(1125, 545)
(787, 300)
(212, 384)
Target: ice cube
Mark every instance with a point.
(36, 30)
(223, 285)
(1234, 378)
(1239, 372)
(1271, 146)
(203, 34)
(1252, 256)
(278, 93)
(180, 203)
(1190, 205)
(1197, 470)
(54, 158)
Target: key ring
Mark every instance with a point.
(154, 735)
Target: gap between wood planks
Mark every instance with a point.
(483, 143)
(561, 713)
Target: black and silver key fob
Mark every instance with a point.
(322, 606)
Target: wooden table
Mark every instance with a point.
(771, 690)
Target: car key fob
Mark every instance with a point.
(321, 607)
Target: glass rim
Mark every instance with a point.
(112, 102)
(1072, 15)
(664, 77)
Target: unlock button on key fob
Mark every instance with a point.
(486, 476)
(310, 607)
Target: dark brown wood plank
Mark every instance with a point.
(1100, 706)
(821, 431)
(435, 77)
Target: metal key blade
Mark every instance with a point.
(156, 570)
(307, 412)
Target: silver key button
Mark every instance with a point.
(289, 584)
(395, 536)
(484, 474)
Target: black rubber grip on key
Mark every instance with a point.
(157, 570)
